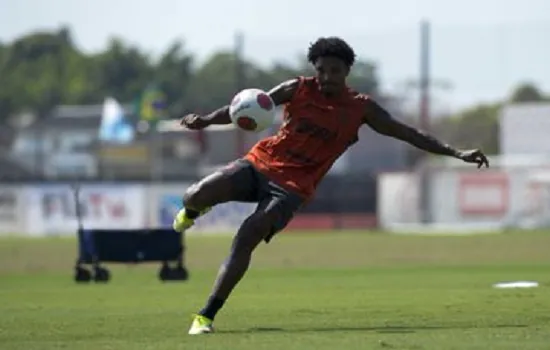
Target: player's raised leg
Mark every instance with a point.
(273, 213)
(235, 182)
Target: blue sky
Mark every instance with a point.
(483, 48)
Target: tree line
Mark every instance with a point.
(478, 125)
(41, 70)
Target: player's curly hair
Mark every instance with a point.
(333, 47)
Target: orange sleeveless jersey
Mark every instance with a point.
(316, 130)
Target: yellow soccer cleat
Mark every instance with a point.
(182, 222)
(201, 325)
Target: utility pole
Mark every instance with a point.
(424, 116)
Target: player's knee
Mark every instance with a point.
(253, 230)
(197, 196)
(213, 189)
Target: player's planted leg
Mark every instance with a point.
(253, 230)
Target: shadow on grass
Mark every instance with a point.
(384, 329)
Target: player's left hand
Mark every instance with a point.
(194, 122)
(474, 156)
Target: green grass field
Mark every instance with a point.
(348, 290)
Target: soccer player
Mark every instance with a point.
(322, 116)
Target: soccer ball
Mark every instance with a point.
(252, 110)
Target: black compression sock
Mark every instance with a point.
(191, 214)
(212, 307)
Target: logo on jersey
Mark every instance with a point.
(307, 126)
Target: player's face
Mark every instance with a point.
(331, 74)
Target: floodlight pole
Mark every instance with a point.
(425, 82)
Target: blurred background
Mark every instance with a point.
(91, 93)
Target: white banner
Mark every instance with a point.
(524, 129)
(11, 207)
(483, 194)
(398, 195)
(51, 209)
(459, 199)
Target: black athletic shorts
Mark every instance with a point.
(249, 185)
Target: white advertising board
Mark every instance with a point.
(51, 209)
(11, 210)
(460, 200)
(524, 129)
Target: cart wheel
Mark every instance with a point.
(101, 275)
(165, 272)
(180, 273)
(82, 275)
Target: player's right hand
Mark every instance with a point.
(474, 156)
(194, 122)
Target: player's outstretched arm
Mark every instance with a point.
(382, 122)
(198, 122)
(284, 92)
(280, 94)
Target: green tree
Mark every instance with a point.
(213, 83)
(122, 71)
(33, 71)
(364, 77)
(222, 75)
(41, 70)
(173, 74)
(280, 72)
(475, 127)
(526, 92)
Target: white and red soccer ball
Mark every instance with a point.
(252, 110)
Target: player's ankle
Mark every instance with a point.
(191, 213)
(212, 307)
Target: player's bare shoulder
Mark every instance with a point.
(284, 92)
(360, 97)
(376, 116)
(363, 101)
